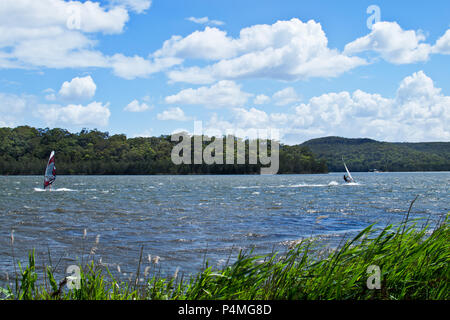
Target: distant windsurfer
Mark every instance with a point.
(347, 177)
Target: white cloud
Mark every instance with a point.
(58, 49)
(50, 96)
(443, 44)
(394, 44)
(261, 99)
(279, 118)
(421, 102)
(415, 87)
(60, 34)
(135, 106)
(53, 33)
(247, 123)
(138, 6)
(93, 114)
(12, 108)
(78, 89)
(41, 16)
(176, 114)
(138, 67)
(251, 118)
(131, 67)
(285, 50)
(205, 20)
(418, 112)
(222, 94)
(145, 134)
(285, 96)
(209, 44)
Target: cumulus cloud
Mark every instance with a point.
(209, 44)
(39, 17)
(138, 67)
(145, 134)
(285, 50)
(53, 33)
(135, 106)
(78, 89)
(12, 108)
(422, 103)
(251, 118)
(285, 96)
(205, 20)
(176, 114)
(261, 99)
(443, 44)
(222, 94)
(418, 112)
(93, 114)
(50, 94)
(138, 6)
(246, 123)
(60, 34)
(394, 44)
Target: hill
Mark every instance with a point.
(24, 150)
(367, 154)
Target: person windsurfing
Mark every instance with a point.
(347, 177)
(50, 172)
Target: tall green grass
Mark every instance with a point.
(413, 264)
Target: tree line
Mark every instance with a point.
(24, 150)
(367, 154)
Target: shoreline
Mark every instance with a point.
(220, 174)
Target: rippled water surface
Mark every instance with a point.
(182, 219)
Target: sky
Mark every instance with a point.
(309, 69)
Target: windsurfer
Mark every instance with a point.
(50, 172)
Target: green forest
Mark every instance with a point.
(24, 151)
(367, 154)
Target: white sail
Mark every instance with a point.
(348, 172)
(50, 171)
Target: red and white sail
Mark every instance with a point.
(50, 171)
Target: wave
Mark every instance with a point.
(352, 184)
(54, 190)
(301, 185)
(251, 187)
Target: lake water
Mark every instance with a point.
(183, 219)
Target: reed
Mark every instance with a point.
(413, 263)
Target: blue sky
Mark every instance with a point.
(306, 68)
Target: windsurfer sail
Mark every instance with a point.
(348, 177)
(50, 171)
